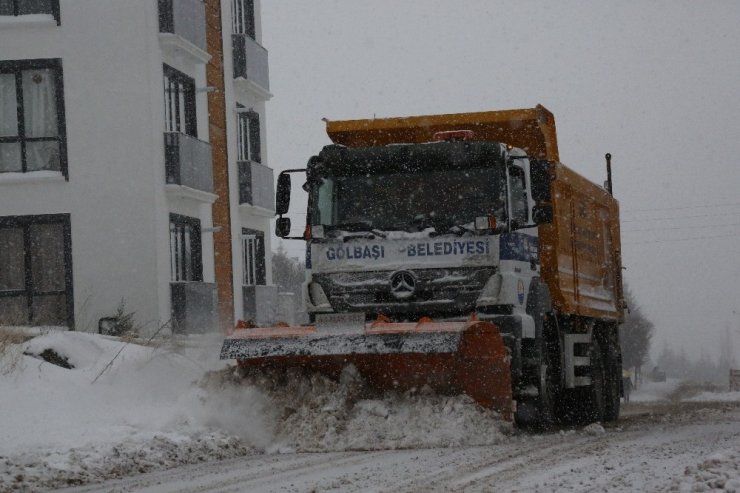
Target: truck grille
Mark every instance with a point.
(437, 291)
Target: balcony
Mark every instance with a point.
(188, 162)
(22, 8)
(256, 185)
(250, 63)
(260, 304)
(183, 24)
(194, 307)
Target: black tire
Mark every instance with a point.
(594, 403)
(537, 412)
(612, 383)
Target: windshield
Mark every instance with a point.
(410, 201)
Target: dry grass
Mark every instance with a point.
(10, 355)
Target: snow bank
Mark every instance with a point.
(125, 408)
(716, 397)
(143, 412)
(655, 391)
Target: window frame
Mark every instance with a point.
(248, 135)
(178, 273)
(55, 11)
(25, 223)
(243, 20)
(258, 266)
(172, 121)
(16, 67)
(515, 173)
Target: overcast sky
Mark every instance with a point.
(656, 83)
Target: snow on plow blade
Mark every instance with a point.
(450, 357)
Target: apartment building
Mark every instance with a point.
(133, 164)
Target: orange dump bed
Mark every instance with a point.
(531, 129)
(580, 250)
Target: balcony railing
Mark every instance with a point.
(188, 161)
(260, 304)
(185, 18)
(250, 61)
(256, 185)
(194, 307)
(22, 7)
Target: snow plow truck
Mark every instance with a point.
(456, 251)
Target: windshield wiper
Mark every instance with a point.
(364, 230)
(460, 229)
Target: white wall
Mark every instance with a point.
(112, 65)
(242, 216)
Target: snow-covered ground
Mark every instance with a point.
(168, 416)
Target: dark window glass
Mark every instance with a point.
(12, 258)
(179, 102)
(248, 135)
(185, 249)
(518, 195)
(253, 249)
(243, 17)
(25, 7)
(34, 7)
(410, 201)
(35, 270)
(31, 116)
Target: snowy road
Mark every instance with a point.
(655, 447)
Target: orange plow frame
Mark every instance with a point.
(451, 357)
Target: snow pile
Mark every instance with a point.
(719, 472)
(594, 429)
(655, 391)
(58, 428)
(315, 413)
(80, 408)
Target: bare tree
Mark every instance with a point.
(636, 334)
(287, 272)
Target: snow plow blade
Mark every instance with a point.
(451, 357)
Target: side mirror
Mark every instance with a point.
(542, 214)
(282, 196)
(282, 226)
(539, 174)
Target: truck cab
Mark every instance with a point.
(440, 230)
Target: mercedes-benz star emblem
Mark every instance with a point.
(403, 284)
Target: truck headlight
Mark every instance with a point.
(317, 296)
(492, 289)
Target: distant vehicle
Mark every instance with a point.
(456, 251)
(658, 375)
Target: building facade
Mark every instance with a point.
(133, 164)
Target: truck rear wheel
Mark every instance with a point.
(612, 383)
(594, 403)
(585, 405)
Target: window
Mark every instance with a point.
(519, 212)
(179, 102)
(185, 249)
(394, 201)
(25, 7)
(36, 270)
(253, 247)
(242, 17)
(248, 135)
(32, 132)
